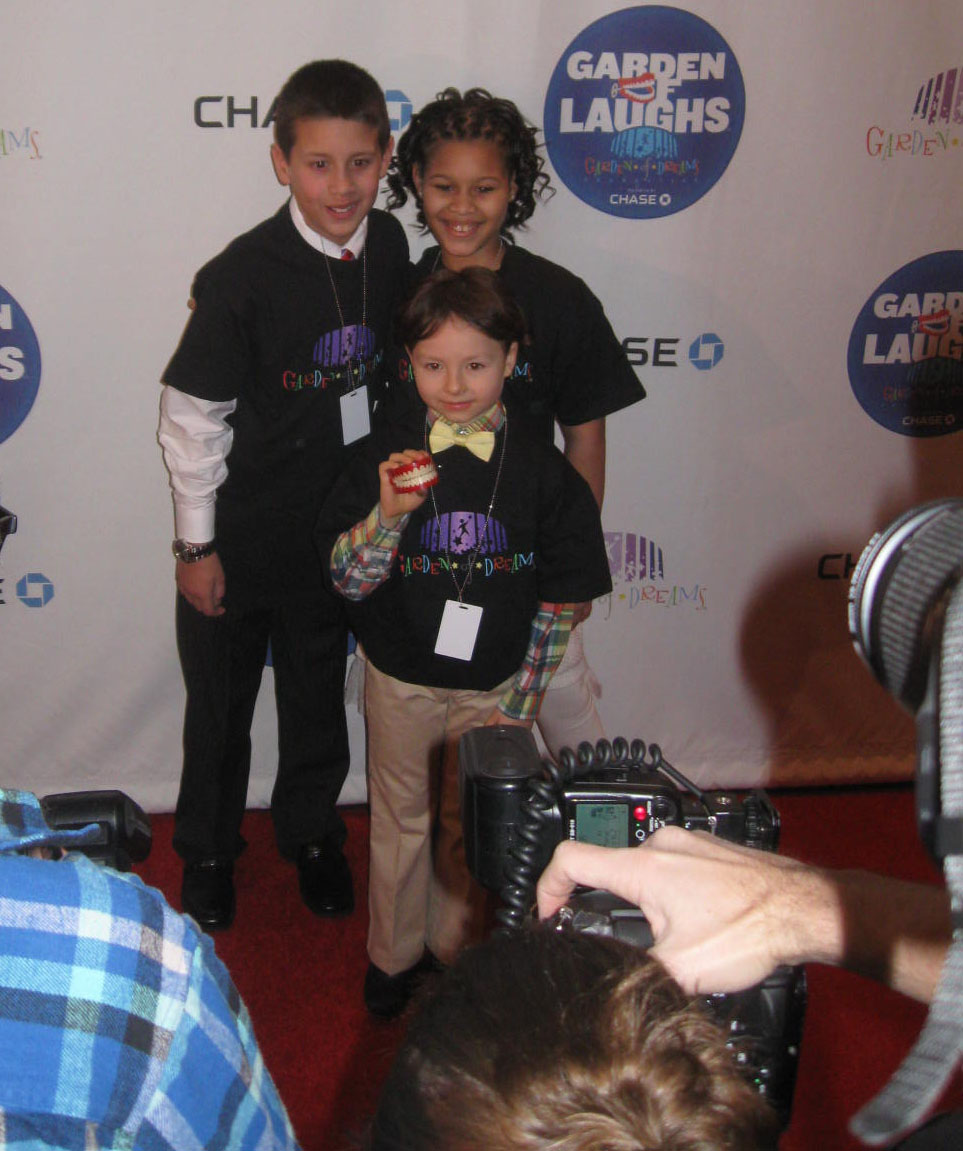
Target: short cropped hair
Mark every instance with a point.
(475, 294)
(476, 115)
(329, 88)
(568, 1042)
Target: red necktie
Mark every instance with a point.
(347, 254)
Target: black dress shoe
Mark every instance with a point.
(388, 995)
(207, 893)
(325, 880)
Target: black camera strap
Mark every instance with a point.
(920, 1079)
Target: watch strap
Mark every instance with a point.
(189, 553)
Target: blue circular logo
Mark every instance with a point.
(905, 354)
(399, 109)
(644, 111)
(706, 351)
(19, 365)
(34, 590)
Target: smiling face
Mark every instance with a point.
(459, 371)
(465, 190)
(333, 170)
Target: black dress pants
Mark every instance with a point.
(274, 594)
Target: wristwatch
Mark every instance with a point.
(189, 553)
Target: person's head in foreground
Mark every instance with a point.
(543, 1040)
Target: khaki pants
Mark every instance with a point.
(416, 896)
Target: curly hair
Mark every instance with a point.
(476, 115)
(541, 1041)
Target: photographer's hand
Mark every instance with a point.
(723, 916)
(712, 906)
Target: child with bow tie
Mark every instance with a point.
(460, 579)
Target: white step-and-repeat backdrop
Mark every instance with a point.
(766, 197)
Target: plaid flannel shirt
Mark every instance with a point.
(362, 558)
(119, 1026)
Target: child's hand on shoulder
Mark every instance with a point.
(405, 479)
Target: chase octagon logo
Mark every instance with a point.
(644, 112)
(905, 354)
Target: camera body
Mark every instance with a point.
(616, 799)
(516, 809)
(763, 1024)
(123, 827)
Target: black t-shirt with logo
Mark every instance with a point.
(266, 331)
(543, 542)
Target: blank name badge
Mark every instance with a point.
(459, 630)
(355, 423)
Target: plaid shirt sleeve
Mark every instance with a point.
(547, 642)
(361, 558)
(119, 1026)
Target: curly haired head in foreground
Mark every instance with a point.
(568, 1042)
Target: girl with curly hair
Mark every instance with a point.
(472, 164)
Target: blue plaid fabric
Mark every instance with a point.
(119, 1026)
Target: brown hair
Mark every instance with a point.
(542, 1040)
(329, 88)
(476, 295)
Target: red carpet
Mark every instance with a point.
(301, 976)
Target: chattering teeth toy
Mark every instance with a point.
(416, 476)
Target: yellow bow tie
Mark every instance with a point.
(443, 435)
